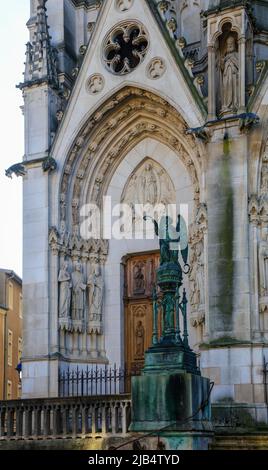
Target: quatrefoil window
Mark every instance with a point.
(125, 47)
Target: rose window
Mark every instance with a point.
(125, 48)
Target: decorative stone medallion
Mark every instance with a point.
(123, 5)
(125, 47)
(95, 84)
(156, 68)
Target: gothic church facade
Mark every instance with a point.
(136, 102)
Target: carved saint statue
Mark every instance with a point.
(263, 263)
(230, 77)
(65, 286)
(78, 293)
(96, 291)
(139, 334)
(139, 282)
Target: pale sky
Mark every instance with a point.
(13, 37)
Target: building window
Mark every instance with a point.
(19, 349)
(9, 390)
(20, 306)
(10, 296)
(19, 391)
(9, 347)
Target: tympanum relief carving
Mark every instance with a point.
(149, 184)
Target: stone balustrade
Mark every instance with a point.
(65, 417)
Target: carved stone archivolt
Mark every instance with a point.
(125, 47)
(110, 134)
(156, 68)
(258, 216)
(95, 84)
(197, 267)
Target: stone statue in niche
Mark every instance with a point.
(230, 77)
(65, 286)
(139, 335)
(78, 292)
(139, 281)
(96, 294)
(263, 262)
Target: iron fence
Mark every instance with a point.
(96, 381)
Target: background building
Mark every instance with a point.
(10, 334)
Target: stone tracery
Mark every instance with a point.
(125, 47)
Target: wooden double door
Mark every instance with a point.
(140, 277)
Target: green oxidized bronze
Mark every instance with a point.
(170, 342)
(170, 388)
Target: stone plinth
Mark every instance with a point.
(170, 358)
(170, 401)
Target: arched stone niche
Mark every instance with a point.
(229, 35)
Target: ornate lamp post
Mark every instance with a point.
(171, 398)
(169, 305)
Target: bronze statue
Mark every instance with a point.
(167, 252)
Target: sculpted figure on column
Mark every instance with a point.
(263, 262)
(65, 286)
(230, 77)
(96, 291)
(200, 272)
(139, 333)
(78, 293)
